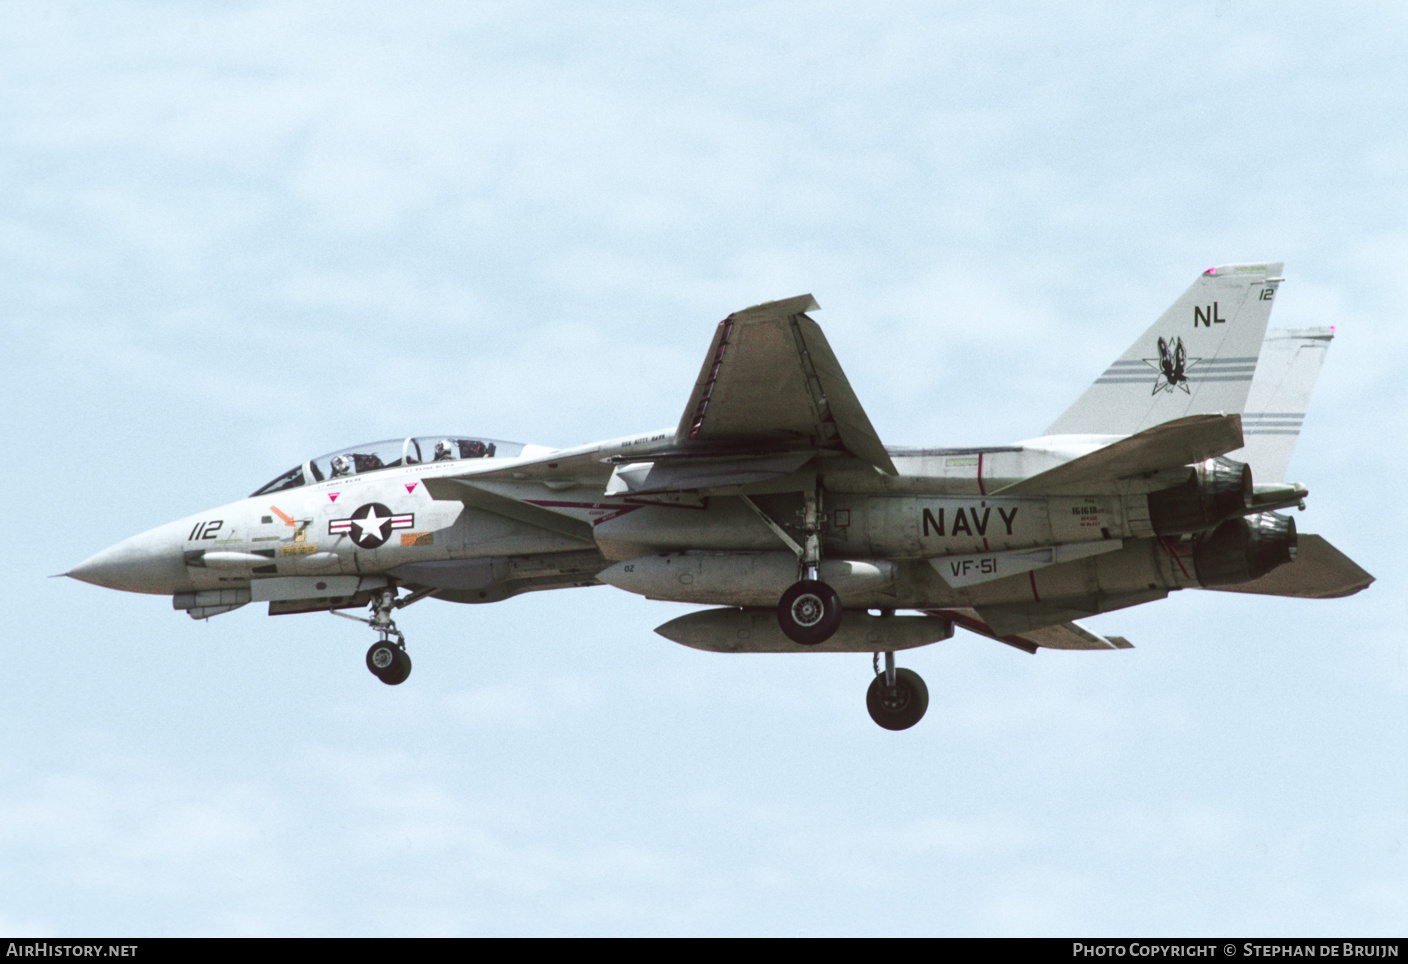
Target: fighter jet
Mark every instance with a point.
(774, 501)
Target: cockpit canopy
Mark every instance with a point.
(389, 454)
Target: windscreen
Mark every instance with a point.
(391, 453)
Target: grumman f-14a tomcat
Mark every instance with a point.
(774, 500)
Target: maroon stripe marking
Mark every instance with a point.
(704, 396)
(1173, 552)
(983, 629)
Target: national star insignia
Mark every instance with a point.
(368, 525)
(371, 525)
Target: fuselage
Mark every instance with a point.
(932, 536)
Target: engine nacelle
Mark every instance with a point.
(1217, 489)
(1244, 549)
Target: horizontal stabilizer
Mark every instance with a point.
(1320, 571)
(732, 630)
(1183, 441)
(1033, 626)
(673, 475)
(1071, 636)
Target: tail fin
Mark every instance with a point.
(1285, 377)
(1197, 359)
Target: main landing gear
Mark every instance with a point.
(897, 698)
(387, 659)
(809, 612)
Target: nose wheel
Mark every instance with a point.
(387, 659)
(897, 698)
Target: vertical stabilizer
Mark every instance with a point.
(1285, 377)
(1197, 359)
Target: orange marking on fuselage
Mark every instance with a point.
(288, 519)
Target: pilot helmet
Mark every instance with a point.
(341, 465)
(444, 449)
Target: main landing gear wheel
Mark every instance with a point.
(898, 707)
(810, 612)
(388, 662)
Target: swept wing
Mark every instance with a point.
(770, 381)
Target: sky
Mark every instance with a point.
(237, 235)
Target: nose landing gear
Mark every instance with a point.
(389, 662)
(897, 698)
(387, 658)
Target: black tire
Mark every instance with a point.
(809, 612)
(400, 670)
(389, 663)
(903, 708)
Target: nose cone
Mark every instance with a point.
(151, 562)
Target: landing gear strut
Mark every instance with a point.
(387, 659)
(809, 612)
(897, 698)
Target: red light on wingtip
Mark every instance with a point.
(1210, 271)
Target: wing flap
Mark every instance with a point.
(1183, 441)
